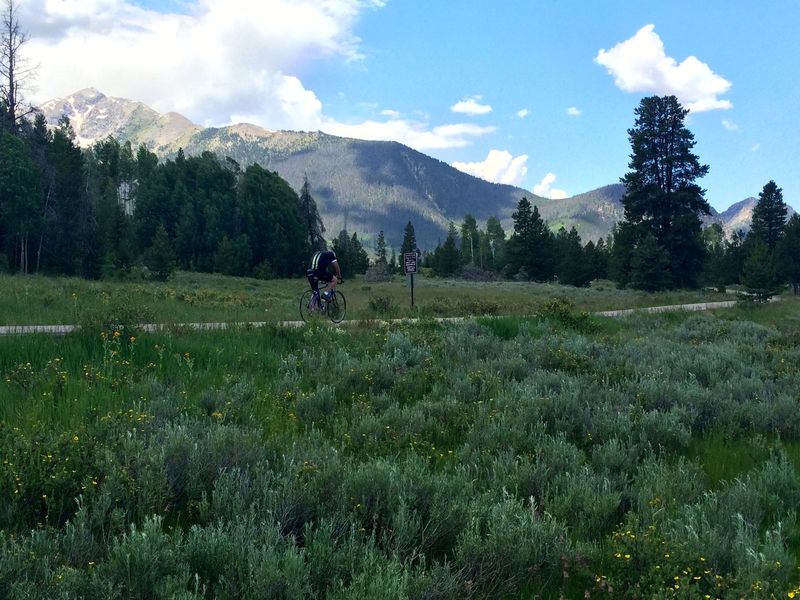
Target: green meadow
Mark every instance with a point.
(533, 451)
(198, 297)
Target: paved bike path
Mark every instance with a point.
(8, 330)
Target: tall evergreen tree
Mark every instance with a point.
(650, 266)
(271, 220)
(62, 241)
(358, 255)
(160, 257)
(20, 195)
(311, 219)
(342, 247)
(624, 239)
(380, 249)
(409, 240)
(788, 253)
(597, 259)
(769, 216)
(40, 140)
(735, 254)
(662, 197)
(572, 268)
(446, 258)
(531, 245)
(759, 276)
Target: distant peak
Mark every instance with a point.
(90, 92)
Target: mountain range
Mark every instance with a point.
(362, 186)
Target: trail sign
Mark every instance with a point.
(410, 262)
(409, 268)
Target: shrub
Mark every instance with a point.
(563, 312)
(474, 273)
(114, 314)
(508, 545)
(146, 562)
(382, 304)
(377, 273)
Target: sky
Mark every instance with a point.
(535, 93)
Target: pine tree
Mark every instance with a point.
(380, 249)
(358, 256)
(446, 259)
(596, 256)
(788, 253)
(309, 214)
(758, 272)
(160, 257)
(341, 246)
(769, 216)
(20, 200)
(269, 216)
(662, 197)
(409, 240)
(530, 248)
(573, 267)
(624, 238)
(650, 266)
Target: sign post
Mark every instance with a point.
(410, 267)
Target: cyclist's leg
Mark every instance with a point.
(328, 278)
(313, 281)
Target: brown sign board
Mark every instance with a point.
(410, 262)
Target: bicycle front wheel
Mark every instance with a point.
(310, 311)
(337, 307)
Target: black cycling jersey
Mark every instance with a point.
(319, 268)
(321, 260)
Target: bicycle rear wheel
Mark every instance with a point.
(337, 307)
(310, 311)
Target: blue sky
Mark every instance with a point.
(535, 93)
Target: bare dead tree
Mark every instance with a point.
(14, 70)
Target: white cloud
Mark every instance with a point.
(218, 62)
(411, 133)
(640, 64)
(471, 106)
(545, 190)
(500, 166)
(573, 111)
(523, 113)
(730, 125)
(224, 57)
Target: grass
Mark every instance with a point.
(556, 455)
(195, 297)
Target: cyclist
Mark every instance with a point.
(321, 264)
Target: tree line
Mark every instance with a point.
(660, 244)
(110, 210)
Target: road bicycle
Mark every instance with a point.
(316, 305)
